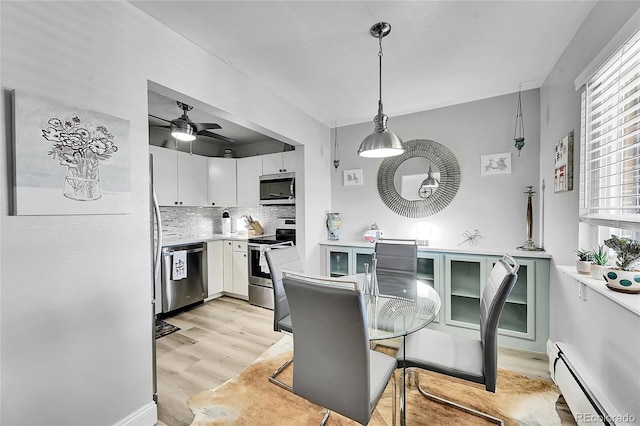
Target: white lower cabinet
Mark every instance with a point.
(236, 268)
(215, 267)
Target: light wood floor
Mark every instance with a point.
(219, 339)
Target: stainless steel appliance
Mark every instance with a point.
(260, 286)
(177, 294)
(278, 189)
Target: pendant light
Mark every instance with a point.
(336, 150)
(382, 142)
(518, 133)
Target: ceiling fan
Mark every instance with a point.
(184, 129)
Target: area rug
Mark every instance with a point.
(164, 328)
(250, 399)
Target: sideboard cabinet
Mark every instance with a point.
(459, 277)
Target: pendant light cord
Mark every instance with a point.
(380, 73)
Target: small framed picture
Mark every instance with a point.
(495, 164)
(352, 177)
(563, 168)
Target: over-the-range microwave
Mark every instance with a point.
(278, 189)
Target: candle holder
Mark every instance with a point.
(529, 244)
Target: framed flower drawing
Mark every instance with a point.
(563, 174)
(68, 160)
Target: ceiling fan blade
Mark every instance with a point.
(205, 126)
(160, 118)
(215, 136)
(158, 125)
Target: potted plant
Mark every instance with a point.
(583, 264)
(623, 277)
(599, 260)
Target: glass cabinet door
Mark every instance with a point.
(360, 257)
(517, 317)
(338, 262)
(464, 280)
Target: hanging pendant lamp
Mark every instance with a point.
(382, 142)
(518, 133)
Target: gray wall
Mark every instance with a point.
(494, 204)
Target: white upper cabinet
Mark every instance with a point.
(280, 162)
(165, 175)
(249, 170)
(222, 182)
(192, 180)
(179, 178)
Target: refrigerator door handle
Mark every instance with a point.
(158, 247)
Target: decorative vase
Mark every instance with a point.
(597, 271)
(622, 281)
(583, 267)
(333, 224)
(82, 182)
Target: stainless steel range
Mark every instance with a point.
(260, 286)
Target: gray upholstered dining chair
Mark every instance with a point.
(470, 359)
(396, 267)
(277, 260)
(334, 366)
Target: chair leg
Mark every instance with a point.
(273, 377)
(464, 408)
(324, 419)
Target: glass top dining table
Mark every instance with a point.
(400, 308)
(398, 313)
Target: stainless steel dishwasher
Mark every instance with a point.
(177, 294)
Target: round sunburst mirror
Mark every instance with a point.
(420, 182)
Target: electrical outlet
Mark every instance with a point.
(582, 291)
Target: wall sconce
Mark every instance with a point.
(423, 233)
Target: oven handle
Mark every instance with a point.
(283, 244)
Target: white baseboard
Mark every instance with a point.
(145, 416)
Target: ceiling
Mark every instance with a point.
(320, 57)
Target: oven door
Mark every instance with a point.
(260, 286)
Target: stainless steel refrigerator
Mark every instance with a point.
(156, 256)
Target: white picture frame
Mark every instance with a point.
(495, 164)
(69, 160)
(352, 177)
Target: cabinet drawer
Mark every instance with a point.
(240, 246)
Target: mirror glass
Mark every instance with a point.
(411, 174)
(420, 182)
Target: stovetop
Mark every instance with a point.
(281, 236)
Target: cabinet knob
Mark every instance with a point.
(213, 204)
(175, 202)
(180, 203)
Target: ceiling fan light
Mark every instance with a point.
(182, 131)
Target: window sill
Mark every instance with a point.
(627, 301)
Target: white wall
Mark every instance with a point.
(495, 204)
(596, 330)
(76, 290)
(560, 113)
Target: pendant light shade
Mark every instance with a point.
(382, 142)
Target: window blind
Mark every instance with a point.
(610, 138)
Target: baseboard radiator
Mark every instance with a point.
(583, 403)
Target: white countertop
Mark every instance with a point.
(448, 249)
(175, 241)
(626, 300)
